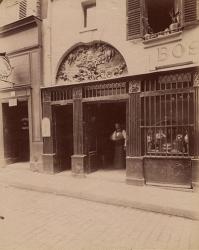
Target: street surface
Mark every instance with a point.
(40, 221)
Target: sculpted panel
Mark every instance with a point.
(91, 62)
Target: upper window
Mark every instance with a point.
(89, 9)
(160, 15)
(151, 18)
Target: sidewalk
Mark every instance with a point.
(107, 187)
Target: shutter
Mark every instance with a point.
(190, 11)
(134, 27)
(22, 9)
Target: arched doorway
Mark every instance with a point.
(87, 76)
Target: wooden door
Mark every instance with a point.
(63, 137)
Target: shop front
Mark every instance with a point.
(16, 111)
(81, 121)
(90, 84)
(20, 79)
(157, 111)
(168, 130)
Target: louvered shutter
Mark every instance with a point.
(22, 9)
(134, 25)
(189, 11)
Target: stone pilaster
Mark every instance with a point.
(48, 153)
(195, 160)
(78, 158)
(134, 160)
(2, 158)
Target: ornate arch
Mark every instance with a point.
(90, 62)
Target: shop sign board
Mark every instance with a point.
(46, 127)
(12, 102)
(174, 54)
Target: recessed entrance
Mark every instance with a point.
(63, 136)
(99, 125)
(16, 132)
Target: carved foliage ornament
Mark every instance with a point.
(134, 86)
(77, 93)
(91, 62)
(196, 79)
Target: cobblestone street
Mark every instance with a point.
(41, 221)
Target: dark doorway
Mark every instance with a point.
(16, 132)
(63, 136)
(99, 121)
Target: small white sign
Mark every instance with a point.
(12, 102)
(12, 93)
(46, 127)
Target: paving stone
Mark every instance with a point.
(42, 221)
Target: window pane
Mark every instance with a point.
(91, 16)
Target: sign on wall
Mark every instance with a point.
(174, 54)
(12, 102)
(46, 127)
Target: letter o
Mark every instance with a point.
(178, 51)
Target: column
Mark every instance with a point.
(78, 158)
(134, 160)
(195, 160)
(47, 133)
(36, 143)
(2, 157)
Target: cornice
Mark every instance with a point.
(21, 24)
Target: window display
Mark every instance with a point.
(167, 108)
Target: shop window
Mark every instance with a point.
(89, 11)
(153, 18)
(167, 109)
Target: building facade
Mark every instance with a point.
(20, 116)
(133, 62)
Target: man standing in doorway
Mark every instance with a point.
(119, 139)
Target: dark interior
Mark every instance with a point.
(102, 117)
(16, 132)
(158, 14)
(63, 136)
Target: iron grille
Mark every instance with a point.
(105, 89)
(167, 115)
(58, 94)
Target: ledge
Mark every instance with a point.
(84, 30)
(164, 39)
(29, 21)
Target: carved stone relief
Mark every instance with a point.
(134, 86)
(91, 62)
(196, 79)
(77, 93)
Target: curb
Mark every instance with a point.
(149, 207)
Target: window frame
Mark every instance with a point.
(136, 12)
(160, 103)
(85, 6)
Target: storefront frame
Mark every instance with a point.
(135, 158)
